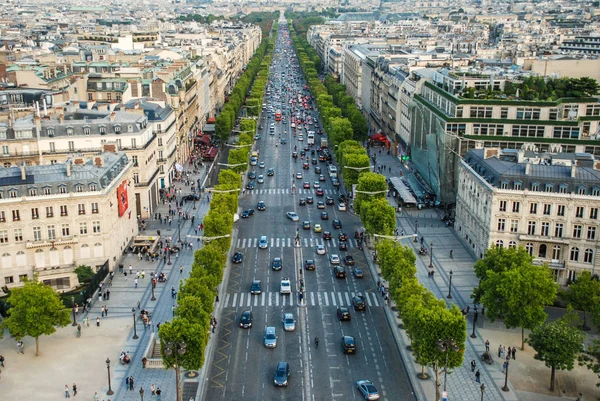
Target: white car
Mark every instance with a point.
(292, 216)
(285, 287)
(321, 250)
(289, 324)
(342, 207)
(334, 259)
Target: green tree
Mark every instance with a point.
(378, 217)
(584, 294)
(35, 310)
(371, 186)
(360, 162)
(518, 295)
(590, 358)
(397, 262)
(84, 273)
(557, 344)
(230, 178)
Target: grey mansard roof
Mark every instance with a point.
(95, 121)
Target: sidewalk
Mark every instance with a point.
(65, 359)
(530, 377)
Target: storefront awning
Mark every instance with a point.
(211, 120)
(403, 191)
(209, 128)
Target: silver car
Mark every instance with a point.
(289, 324)
(270, 337)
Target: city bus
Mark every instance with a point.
(310, 137)
(278, 115)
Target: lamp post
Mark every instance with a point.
(153, 286)
(446, 346)
(482, 388)
(475, 313)
(505, 388)
(73, 311)
(109, 392)
(431, 255)
(450, 286)
(169, 254)
(416, 231)
(179, 228)
(135, 336)
(176, 350)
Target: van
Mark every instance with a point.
(270, 337)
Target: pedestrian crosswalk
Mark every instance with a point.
(291, 242)
(288, 191)
(323, 298)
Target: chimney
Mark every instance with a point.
(98, 162)
(527, 168)
(110, 147)
(78, 161)
(490, 152)
(112, 117)
(573, 170)
(68, 166)
(23, 173)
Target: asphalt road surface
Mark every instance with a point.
(242, 368)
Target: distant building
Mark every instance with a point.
(547, 203)
(54, 218)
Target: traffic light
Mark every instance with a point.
(405, 158)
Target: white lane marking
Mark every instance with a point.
(333, 302)
(368, 299)
(326, 299)
(241, 299)
(263, 296)
(312, 299)
(340, 298)
(375, 301)
(347, 298)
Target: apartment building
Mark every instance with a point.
(547, 203)
(54, 218)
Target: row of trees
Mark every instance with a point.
(515, 289)
(196, 299)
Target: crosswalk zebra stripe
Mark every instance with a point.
(277, 301)
(234, 302)
(368, 299)
(227, 299)
(272, 242)
(347, 299)
(375, 301)
(255, 301)
(242, 299)
(249, 300)
(312, 299)
(340, 298)
(326, 299)
(333, 299)
(263, 296)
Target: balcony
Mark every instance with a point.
(553, 263)
(52, 243)
(47, 272)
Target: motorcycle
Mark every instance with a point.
(487, 358)
(423, 251)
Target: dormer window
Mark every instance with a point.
(102, 130)
(535, 186)
(50, 132)
(504, 185)
(595, 191)
(130, 128)
(117, 129)
(62, 189)
(92, 187)
(86, 130)
(78, 188)
(13, 193)
(581, 190)
(549, 188)
(69, 131)
(518, 185)
(47, 191)
(32, 192)
(563, 188)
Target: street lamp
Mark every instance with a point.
(450, 286)
(179, 228)
(358, 168)
(505, 388)
(431, 255)
(153, 287)
(135, 336)
(475, 313)
(73, 310)
(109, 392)
(179, 351)
(482, 388)
(446, 346)
(169, 254)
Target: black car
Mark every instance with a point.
(343, 237)
(261, 206)
(359, 303)
(252, 174)
(343, 246)
(313, 161)
(247, 213)
(329, 200)
(250, 185)
(324, 216)
(318, 170)
(310, 200)
(302, 202)
(348, 260)
(306, 225)
(309, 264)
(276, 264)
(191, 197)
(326, 235)
(282, 372)
(246, 320)
(348, 345)
(343, 313)
(337, 224)
(270, 172)
(256, 287)
(339, 271)
(238, 257)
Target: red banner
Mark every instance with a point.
(122, 198)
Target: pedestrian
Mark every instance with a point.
(131, 383)
(514, 352)
(102, 310)
(127, 382)
(508, 353)
(142, 393)
(180, 269)
(144, 361)
(97, 322)
(135, 283)
(20, 347)
(158, 393)
(138, 304)
(78, 330)
(96, 396)
(67, 392)
(478, 376)
(105, 310)
(153, 389)
(1, 361)
(499, 350)
(473, 365)
(504, 366)
(74, 389)
(503, 352)
(487, 345)
(130, 269)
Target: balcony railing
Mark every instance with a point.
(553, 264)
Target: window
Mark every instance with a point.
(588, 256)
(23, 277)
(51, 232)
(563, 189)
(65, 230)
(117, 129)
(18, 234)
(96, 227)
(102, 130)
(47, 191)
(82, 228)
(504, 185)
(160, 142)
(16, 215)
(133, 143)
(81, 208)
(95, 208)
(2, 216)
(9, 280)
(33, 192)
(5, 150)
(591, 233)
(528, 113)
(504, 112)
(553, 114)
(560, 210)
(86, 130)
(78, 188)
(516, 207)
(595, 191)
(136, 178)
(535, 186)
(514, 226)
(134, 159)
(558, 230)
(533, 208)
(35, 214)
(63, 210)
(528, 131)
(481, 112)
(512, 244)
(499, 243)
(556, 250)
(581, 190)
(529, 248)
(574, 255)
(52, 147)
(593, 213)
(502, 207)
(92, 187)
(518, 186)
(542, 251)
(545, 229)
(531, 228)
(13, 194)
(3, 236)
(49, 211)
(577, 228)
(549, 188)
(579, 211)
(62, 189)
(71, 146)
(37, 233)
(547, 209)
(501, 224)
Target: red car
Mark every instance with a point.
(306, 185)
(319, 192)
(326, 235)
